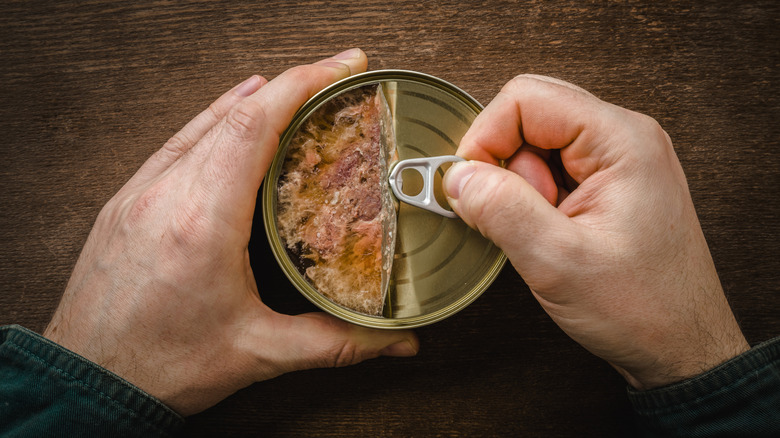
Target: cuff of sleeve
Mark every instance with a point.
(50, 384)
(739, 396)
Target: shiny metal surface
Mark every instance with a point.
(424, 197)
(441, 265)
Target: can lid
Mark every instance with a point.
(441, 265)
(426, 168)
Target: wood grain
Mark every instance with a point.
(88, 90)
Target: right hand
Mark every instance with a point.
(616, 257)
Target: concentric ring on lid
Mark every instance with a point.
(441, 265)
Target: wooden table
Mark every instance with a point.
(88, 90)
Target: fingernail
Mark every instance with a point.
(399, 349)
(457, 177)
(347, 54)
(249, 86)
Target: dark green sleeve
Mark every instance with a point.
(738, 398)
(46, 390)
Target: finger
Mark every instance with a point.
(558, 82)
(506, 209)
(195, 129)
(245, 146)
(317, 340)
(531, 163)
(549, 114)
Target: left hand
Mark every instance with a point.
(163, 293)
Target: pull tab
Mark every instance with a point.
(427, 168)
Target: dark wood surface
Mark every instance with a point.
(88, 90)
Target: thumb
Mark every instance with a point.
(506, 209)
(317, 340)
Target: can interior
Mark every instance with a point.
(440, 265)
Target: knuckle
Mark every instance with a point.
(189, 225)
(339, 348)
(521, 79)
(547, 84)
(113, 212)
(655, 145)
(150, 210)
(214, 111)
(642, 122)
(245, 118)
(178, 144)
(142, 207)
(345, 355)
(299, 73)
(518, 85)
(646, 122)
(656, 129)
(524, 82)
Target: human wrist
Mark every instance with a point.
(57, 389)
(681, 365)
(731, 399)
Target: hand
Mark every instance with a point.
(163, 294)
(609, 242)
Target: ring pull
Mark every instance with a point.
(427, 168)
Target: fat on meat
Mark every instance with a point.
(335, 213)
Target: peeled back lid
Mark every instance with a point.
(441, 265)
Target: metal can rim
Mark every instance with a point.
(269, 206)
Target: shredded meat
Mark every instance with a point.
(333, 209)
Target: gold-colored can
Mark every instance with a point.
(440, 265)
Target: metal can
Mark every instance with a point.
(440, 265)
